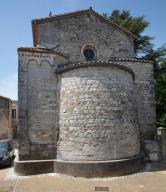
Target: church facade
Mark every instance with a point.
(83, 97)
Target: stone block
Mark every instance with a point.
(152, 150)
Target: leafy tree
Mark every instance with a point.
(159, 58)
(135, 25)
(160, 75)
(161, 94)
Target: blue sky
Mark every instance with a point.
(15, 26)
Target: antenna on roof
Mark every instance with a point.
(50, 14)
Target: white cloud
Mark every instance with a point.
(8, 86)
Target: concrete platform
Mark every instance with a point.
(87, 169)
(150, 179)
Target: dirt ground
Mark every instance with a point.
(152, 179)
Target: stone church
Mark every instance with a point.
(85, 103)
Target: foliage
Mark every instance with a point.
(161, 93)
(159, 58)
(135, 25)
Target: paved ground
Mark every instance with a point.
(153, 179)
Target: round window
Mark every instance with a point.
(89, 54)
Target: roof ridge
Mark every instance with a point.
(61, 15)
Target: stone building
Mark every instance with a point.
(8, 118)
(5, 118)
(84, 100)
(14, 118)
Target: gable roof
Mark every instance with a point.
(35, 22)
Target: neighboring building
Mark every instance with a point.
(14, 118)
(5, 118)
(8, 118)
(83, 97)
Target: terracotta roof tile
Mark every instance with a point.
(69, 66)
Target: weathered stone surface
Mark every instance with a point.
(5, 118)
(71, 33)
(37, 106)
(152, 150)
(89, 113)
(97, 118)
(151, 145)
(145, 96)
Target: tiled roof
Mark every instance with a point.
(133, 60)
(69, 66)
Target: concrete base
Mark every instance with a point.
(80, 168)
(99, 168)
(33, 167)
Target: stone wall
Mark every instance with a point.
(73, 32)
(39, 102)
(37, 105)
(101, 97)
(144, 88)
(5, 118)
(145, 96)
(97, 118)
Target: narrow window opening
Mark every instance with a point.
(13, 113)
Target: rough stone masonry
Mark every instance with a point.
(82, 94)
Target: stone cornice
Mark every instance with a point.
(70, 66)
(40, 50)
(132, 60)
